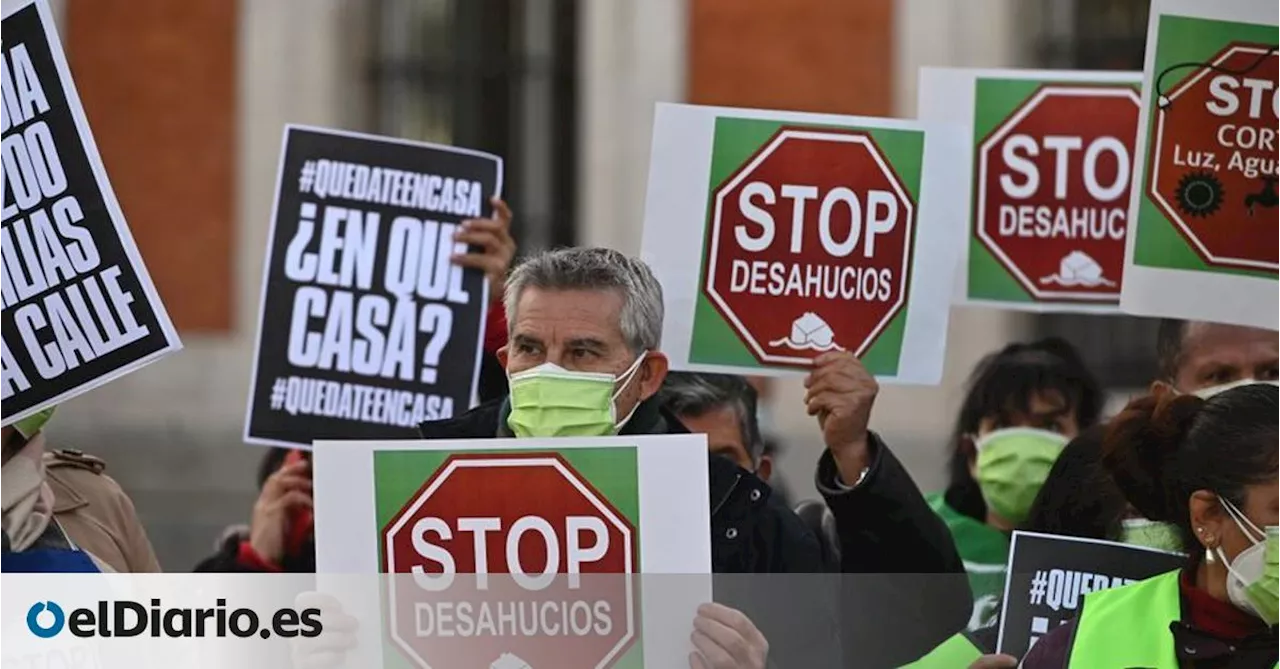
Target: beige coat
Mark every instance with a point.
(96, 513)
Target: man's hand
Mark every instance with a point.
(995, 662)
(726, 639)
(497, 247)
(287, 489)
(329, 649)
(841, 394)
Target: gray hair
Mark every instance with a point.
(596, 269)
(694, 394)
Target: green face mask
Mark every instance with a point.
(1264, 593)
(551, 401)
(1151, 534)
(1013, 464)
(29, 426)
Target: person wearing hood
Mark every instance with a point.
(62, 513)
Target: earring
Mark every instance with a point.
(1210, 547)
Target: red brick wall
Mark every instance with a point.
(804, 55)
(158, 81)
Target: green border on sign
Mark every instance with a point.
(713, 341)
(994, 101)
(614, 473)
(1182, 39)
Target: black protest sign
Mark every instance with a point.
(367, 327)
(1049, 575)
(78, 306)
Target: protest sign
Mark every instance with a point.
(1049, 166)
(1203, 240)
(79, 308)
(547, 535)
(367, 328)
(1049, 576)
(780, 236)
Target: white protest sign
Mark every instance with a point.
(1048, 163)
(779, 236)
(1203, 239)
(590, 542)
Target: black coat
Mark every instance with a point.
(750, 531)
(903, 590)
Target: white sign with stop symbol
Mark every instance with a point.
(506, 553)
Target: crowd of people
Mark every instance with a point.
(877, 574)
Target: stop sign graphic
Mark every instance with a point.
(1213, 157)
(809, 245)
(1052, 191)
(515, 558)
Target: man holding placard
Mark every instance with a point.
(584, 359)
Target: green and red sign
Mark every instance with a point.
(514, 556)
(1212, 164)
(1051, 185)
(1204, 243)
(780, 236)
(1208, 199)
(809, 245)
(1049, 171)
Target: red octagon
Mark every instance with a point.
(809, 246)
(1060, 232)
(1213, 158)
(567, 601)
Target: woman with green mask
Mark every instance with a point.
(1208, 468)
(1024, 403)
(1078, 499)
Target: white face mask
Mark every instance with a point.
(1245, 572)
(1206, 393)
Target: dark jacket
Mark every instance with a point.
(750, 531)
(904, 589)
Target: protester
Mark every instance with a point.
(1024, 403)
(584, 359)
(62, 513)
(723, 407)
(1080, 498)
(1195, 356)
(1209, 467)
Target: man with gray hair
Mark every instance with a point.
(583, 358)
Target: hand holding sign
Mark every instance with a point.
(726, 639)
(841, 393)
(330, 649)
(288, 488)
(498, 248)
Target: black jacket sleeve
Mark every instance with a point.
(226, 560)
(904, 589)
